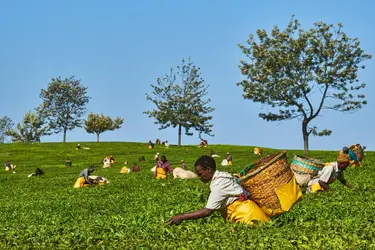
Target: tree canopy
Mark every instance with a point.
(31, 129)
(5, 124)
(64, 103)
(180, 100)
(298, 73)
(97, 124)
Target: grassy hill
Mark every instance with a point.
(47, 212)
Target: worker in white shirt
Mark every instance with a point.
(331, 172)
(226, 195)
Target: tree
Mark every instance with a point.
(298, 73)
(64, 103)
(5, 124)
(98, 124)
(181, 103)
(31, 129)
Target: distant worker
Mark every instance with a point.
(203, 143)
(83, 178)
(150, 144)
(125, 170)
(183, 165)
(353, 161)
(166, 144)
(38, 172)
(112, 159)
(79, 147)
(157, 142)
(8, 166)
(258, 151)
(107, 162)
(162, 168)
(229, 159)
(156, 157)
(136, 168)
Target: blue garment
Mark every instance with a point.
(352, 156)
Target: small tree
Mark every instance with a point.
(31, 129)
(64, 103)
(299, 73)
(5, 124)
(97, 124)
(181, 103)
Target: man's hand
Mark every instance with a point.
(201, 213)
(177, 219)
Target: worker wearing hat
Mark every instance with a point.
(331, 172)
(352, 156)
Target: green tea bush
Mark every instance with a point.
(46, 212)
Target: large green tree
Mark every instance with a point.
(64, 103)
(180, 100)
(5, 124)
(31, 129)
(298, 73)
(97, 124)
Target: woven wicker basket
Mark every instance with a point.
(358, 150)
(263, 177)
(306, 165)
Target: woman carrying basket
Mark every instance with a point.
(329, 174)
(226, 195)
(353, 161)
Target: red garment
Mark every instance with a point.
(135, 168)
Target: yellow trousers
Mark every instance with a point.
(246, 212)
(124, 170)
(161, 173)
(315, 187)
(80, 182)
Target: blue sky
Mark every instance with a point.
(118, 48)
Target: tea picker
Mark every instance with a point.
(329, 174)
(226, 196)
(38, 172)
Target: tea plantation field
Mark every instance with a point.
(46, 212)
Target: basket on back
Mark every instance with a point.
(306, 165)
(271, 183)
(358, 150)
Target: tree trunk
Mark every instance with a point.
(179, 135)
(97, 137)
(305, 138)
(64, 140)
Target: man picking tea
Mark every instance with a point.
(226, 195)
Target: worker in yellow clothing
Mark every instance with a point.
(83, 178)
(162, 168)
(226, 195)
(229, 159)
